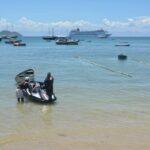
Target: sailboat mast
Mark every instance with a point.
(49, 31)
(52, 31)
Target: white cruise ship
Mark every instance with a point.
(89, 34)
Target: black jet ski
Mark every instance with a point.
(37, 93)
(27, 73)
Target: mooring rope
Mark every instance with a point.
(104, 67)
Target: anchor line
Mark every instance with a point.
(104, 67)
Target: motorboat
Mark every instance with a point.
(27, 73)
(19, 44)
(66, 41)
(14, 36)
(123, 44)
(4, 37)
(49, 38)
(12, 41)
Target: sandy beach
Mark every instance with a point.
(131, 138)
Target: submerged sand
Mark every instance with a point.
(122, 138)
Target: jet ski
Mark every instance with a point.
(37, 93)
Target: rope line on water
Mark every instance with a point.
(104, 67)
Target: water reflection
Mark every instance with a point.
(34, 115)
(46, 109)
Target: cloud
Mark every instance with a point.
(132, 22)
(69, 24)
(4, 23)
(30, 24)
(134, 25)
(61, 27)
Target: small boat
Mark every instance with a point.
(37, 93)
(19, 44)
(12, 41)
(13, 36)
(8, 42)
(27, 73)
(125, 44)
(66, 41)
(49, 38)
(122, 57)
(4, 37)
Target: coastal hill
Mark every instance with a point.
(9, 33)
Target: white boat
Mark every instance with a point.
(77, 34)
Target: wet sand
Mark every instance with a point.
(131, 138)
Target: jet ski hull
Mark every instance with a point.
(40, 96)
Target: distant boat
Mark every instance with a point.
(77, 34)
(19, 44)
(50, 37)
(122, 57)
(13, 36)
(12, 41)
(66, 41)
(123, 44)
(4, 37)
(9, 36)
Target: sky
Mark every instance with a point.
(36, 17)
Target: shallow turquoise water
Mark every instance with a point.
(87, 94)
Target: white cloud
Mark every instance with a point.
(69, 24)
(135, 25)
(132, 26)
(30, 24)
(132, 22)
(61, 27)
(4, 23)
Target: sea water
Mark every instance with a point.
(88, 94)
